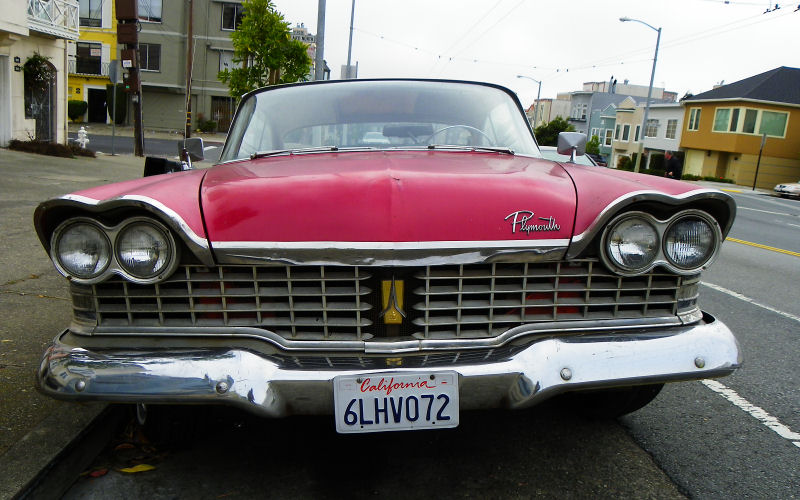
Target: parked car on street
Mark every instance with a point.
(788, 190)
(315, 270)
(598, 159)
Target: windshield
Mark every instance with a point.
(378, 114)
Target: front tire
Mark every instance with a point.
(611, 403)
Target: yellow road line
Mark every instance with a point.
(731, 190)
(765, 247)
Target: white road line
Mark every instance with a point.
(756, 412)
(790, 224)
(766, 211)
(209, 147)
(748, 299)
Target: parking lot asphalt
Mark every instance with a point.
(34, 305)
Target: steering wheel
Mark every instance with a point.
(467, 127)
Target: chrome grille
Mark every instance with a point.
(471, 301)
(344, 303)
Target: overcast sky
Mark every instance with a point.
(563, 43)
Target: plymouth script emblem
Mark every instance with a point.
(524, 221)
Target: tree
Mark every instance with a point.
(263, 46)
(593, 145)
(547, 133)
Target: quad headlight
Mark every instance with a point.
(689, 242)
(632, 243)
(143, 250)
(82, 249)
(635, 242)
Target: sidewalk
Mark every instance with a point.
(127, 131)
(35, 306)
(733, 188)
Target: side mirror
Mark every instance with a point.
(193, 147)
(158, 166)
(572, 144)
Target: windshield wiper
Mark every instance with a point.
(278, 152)
(493, 149)
(321, 149)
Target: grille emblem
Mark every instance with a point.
(521, 218)
(392, 300)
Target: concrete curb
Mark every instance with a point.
(37, 450)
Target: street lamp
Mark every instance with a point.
(649, 90)
(539, 93)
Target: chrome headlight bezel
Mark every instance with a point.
(55, 243)
(114, 266)
(661, 258)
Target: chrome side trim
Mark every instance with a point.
(197, 244)
(581, 241)
(387, 253)
(259, 384)
(382, 345)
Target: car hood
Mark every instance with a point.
(388, 196)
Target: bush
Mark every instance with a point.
(717, 179)
(122, 103)
(76, 109)
(205, 125)
(49, 148)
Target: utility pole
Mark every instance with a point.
(350, 43)
(189, 60)
(128, 34)
(319, 58)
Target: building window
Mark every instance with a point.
(594, 133)
(750, 121)
(626, 132)
(231, 16)
(150, 10)
(583, 111)
(721, 118)
(651, 128)
(616, 133)
(88, 60)
(749, 124)
(91, 13)
(150, 56)
(773, 123)
(609, 136)
(226, 61)
(672, 126)
(694, 119)
(636, 135)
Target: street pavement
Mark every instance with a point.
(34, 428)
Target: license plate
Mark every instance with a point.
(395, 402)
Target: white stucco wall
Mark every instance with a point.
(24, 47)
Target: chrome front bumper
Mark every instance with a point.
(247, 379)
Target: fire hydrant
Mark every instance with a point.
(83, 138)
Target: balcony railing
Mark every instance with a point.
(87, 67)
(54, 17)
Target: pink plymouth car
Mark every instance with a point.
(391, 253)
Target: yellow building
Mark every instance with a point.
(724, 129)
(89, 58)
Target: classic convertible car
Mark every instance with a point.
(389, 252)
